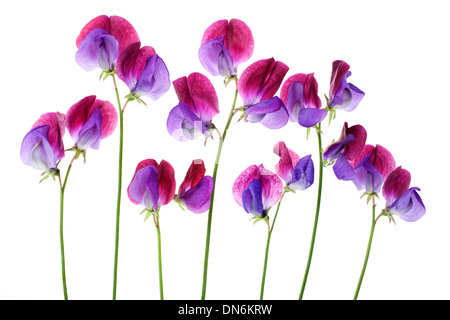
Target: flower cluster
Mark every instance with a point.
(112, 45)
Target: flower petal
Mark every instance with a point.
(252, 198)
(131, 62)
(183, 124)
(339, 71)
(261, 80)
(303, 174)
(144, 189)
(288, 160)
(216, 59)
(396, 184)
(343, 169)
(198, 92)
(154, 80)
(383, 161)
(409, 206)
(271, 113)
(354, 148)
(36, 150)
(56, 122)
(198, 198)
(239, 41)
(242, 182)
(309, 117)
(167, 184)
(272, 187)
(194, 174)
(90, 133)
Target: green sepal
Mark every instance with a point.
(181, 204)
(327, 164)
(149, 213)
(47, 174)
(287, 189)
(227, 80)
(106, 74)
(257, 219)
(370, 196)
(131, 97)
(386, 213)
(308, 131)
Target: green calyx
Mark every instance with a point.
(149, 213)
(132, 97)
(227, 80)
(370, 196)
(78, 152)
(106, 74)
(385, 212)
(180, 203)
(257, 219)
(51, 173)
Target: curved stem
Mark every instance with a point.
(316, 219)
(269, 235)
(119, 189)
(216, 165)
(374, 221)
(156, 220)
(61, 229)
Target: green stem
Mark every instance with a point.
(119, 189)
(269, 235)
(216, 165)
(316, 219)
(156, 220)
(374, 221)
(61, 229)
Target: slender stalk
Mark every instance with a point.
(119, 189)
(216, 165)
(156, 220)
(269, 235)
(61, 229)
(372, 229)
(316, 219)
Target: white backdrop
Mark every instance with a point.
(398, 53)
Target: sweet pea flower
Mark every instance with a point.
(153, 184)
(198, 105)
(299, 94)
(401, 200)
(343, 95)
(143, 71)
(196, 188)
(347, 148)
(101, 41)
(42, 147)
(89, 121)
(257, 189)
(225, 45)
(257, 87)
(297, 173)
(371, 168)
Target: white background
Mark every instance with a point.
(399, 55)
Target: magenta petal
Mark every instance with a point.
(383, 161)
(261, 80)
(109, 116)
(197, 91)
(272, 187)
(355, 147)
(167, 182)
(339, 70)
(216, 30)
(242, 182)
(195, 172)
(368, 148)
(396, 184)
(198, 198)
(116, 26)
(240, 41)
(288, 160)
(132, 62)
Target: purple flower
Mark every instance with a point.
(257, 190)
(225, 45)
(299, 94)
(371, 168)
(257, 87)
(101, 41)
(196, 188)
(153, 184)
(42, 147)
(89, 121)
(198, 105)
(401, 200)
(143, 71)
(347, 148)
(343, 95)
(297, 173)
